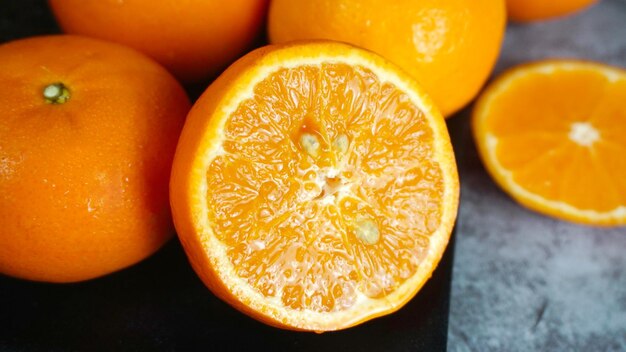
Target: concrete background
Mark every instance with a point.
(522, 281)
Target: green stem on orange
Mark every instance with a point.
(56, 93)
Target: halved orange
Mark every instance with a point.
(314, 186)
(553, 135)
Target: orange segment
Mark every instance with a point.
(314, 186)
(552, 135)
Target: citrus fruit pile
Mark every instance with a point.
(313, 184)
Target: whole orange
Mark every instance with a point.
(194, 39)
(450, 46)
(87, 134)
(534, 10)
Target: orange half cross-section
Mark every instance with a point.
(314, 186)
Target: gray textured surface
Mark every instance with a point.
(522, 281)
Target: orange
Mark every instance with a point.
(314, 186)
(552, 136)
(450, 46)
(88, 130)
(194, 39)
(534, 10)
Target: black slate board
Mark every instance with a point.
(160, 304)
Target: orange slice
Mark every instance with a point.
(314, 186)
(553, 135)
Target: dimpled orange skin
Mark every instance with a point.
(83, 184)
(450, 46)
(194, 39)
(535, 10)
